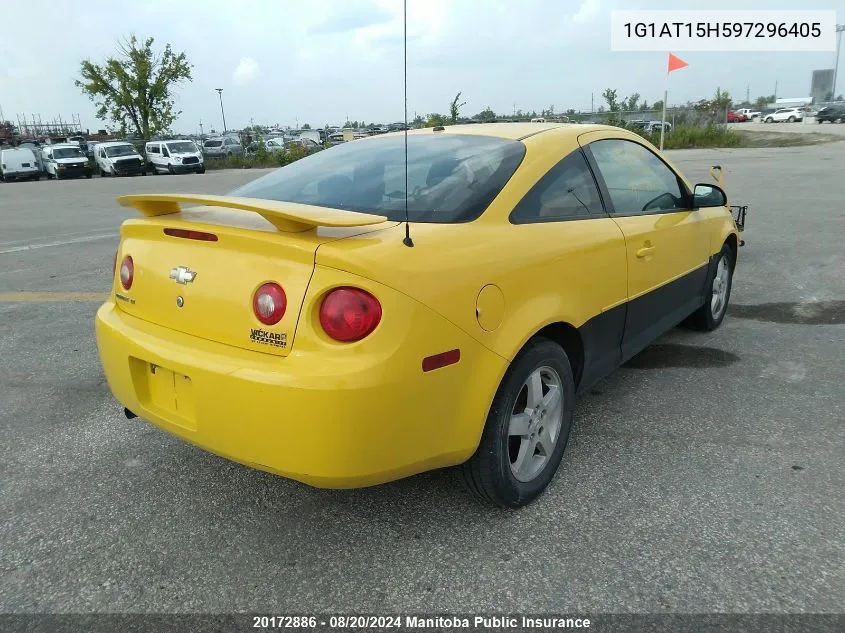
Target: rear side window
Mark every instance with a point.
(567, 192)
(638, 182)
(451, 177)
(153, 149)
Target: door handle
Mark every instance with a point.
(645, 251)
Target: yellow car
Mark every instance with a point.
(302, 327)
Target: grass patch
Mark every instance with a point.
(695, 136)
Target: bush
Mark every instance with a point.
(259, 160)
(691, 136)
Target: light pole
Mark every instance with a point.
(220, 94)
(839, 29)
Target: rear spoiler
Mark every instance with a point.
(290, 217)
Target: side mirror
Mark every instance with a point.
(705, 195)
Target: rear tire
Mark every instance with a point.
(791, 119)
(526, 430)
(769, 120)
(711, 314)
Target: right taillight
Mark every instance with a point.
(127, 272)
(349, 314)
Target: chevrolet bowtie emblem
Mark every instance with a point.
(182, 274)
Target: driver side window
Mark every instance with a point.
(638, 182)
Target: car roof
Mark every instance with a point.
(114, 143)
(511, 131)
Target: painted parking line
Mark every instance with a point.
(46, 297)
(78, 240)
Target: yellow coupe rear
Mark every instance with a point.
(291, 327)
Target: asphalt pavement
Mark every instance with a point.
(705, 476)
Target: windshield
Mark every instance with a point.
(451, 178)
(68, 152)
(213, 143)
(120, 150)
(182, 147)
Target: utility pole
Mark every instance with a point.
(748, 94)
(592, 103)
(201, 133)
(220, 94)
(839, 29)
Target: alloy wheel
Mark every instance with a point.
(535, 423)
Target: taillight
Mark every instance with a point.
(269, 303)
(349, 314)
(114, 264)
(127, 272)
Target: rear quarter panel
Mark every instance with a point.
(547, 273)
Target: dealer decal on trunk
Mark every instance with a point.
(276, 339)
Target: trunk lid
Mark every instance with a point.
(217, 299)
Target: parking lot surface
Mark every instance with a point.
(791, 128)
(705, 475)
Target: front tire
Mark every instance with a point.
(791, 119)
(526, 430)
(710, 315)
(769, 120)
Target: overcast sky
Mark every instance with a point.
(319, 61)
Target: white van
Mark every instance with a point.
(65, 161)
(18, 163)
(174, 157)
(538, 120)
(119, 158)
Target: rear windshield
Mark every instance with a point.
(213, 143)
(451, 178)
(120, 150)
(67, 152)
(182, 147)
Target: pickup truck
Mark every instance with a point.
(749, 113)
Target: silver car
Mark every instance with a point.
(222, 147)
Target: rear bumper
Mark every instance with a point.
(21, 175)
(351, 421)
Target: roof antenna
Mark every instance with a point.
(407, 241)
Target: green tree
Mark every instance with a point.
(455, 107)
(610, 97)
(486, 114)
(418, 121)
(657, 105)
(435, 119)
(632, 102)
(305, 126)
(763, 102)
(134, 88)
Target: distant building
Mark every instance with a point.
(821, 86)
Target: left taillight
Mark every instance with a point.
(127, 272)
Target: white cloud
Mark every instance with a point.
(589, 10)
(246, 72)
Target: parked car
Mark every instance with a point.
(222, 147)
(275, 144)
(308, 143)
(410, 359)
(831, 114)
(654, 126)
(174, 157)
(749, 113)
(785, 114)
(65, 161)
(736, 117)
(18, 163)
(119, 158)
